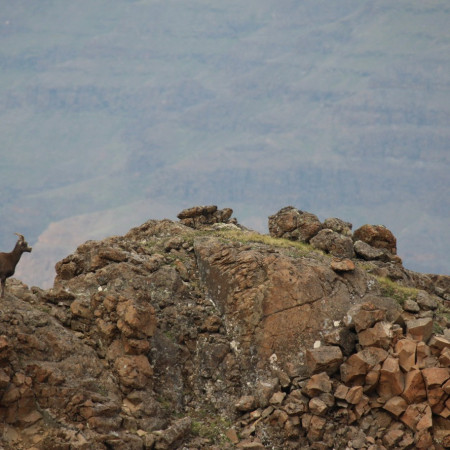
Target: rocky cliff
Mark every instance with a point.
(201, 334)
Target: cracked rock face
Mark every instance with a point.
(215, 338)
(275, 303)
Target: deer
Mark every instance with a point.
(8, 261)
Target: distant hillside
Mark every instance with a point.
(341, 108)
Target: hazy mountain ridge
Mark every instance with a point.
(196, 103)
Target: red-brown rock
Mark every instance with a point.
(396, 406)
(417, 417)
(354, 370)
(420, 329)
(291, 223)
(318, 384)
(365, 316)
(391, 381)
(377, 236)
(380, 335)
(435, 376)
(415, 391)
(406, 350)
(324, 359)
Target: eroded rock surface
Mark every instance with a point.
(179, 335)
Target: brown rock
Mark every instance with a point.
(317, 406)
(406, 350)
(422, 354)
(420, 329)
(415, 391)
(232, 435)
(134, 371)
(444, 358)
(246, 403)
(199, 216)
(363, 407)
(372, 378)
(417, 414)
(354, 370)
(396, 406)
(338, 225)
(316, 428)
(392, 438)
(138, 318)
(391, 381)
(334, 243)
(426, 301)
(435, 376)
(341, 391)
(291, 223)
(169, 437)
(423, 440)
(354, 395)
(369, 253)
(317, 384)
(324, 359)
(277, 398)
(377, 236)
(439, 343)
(380, 335)
(365, 316)
(342, 265)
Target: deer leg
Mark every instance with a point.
(3, 287)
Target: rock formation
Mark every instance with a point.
(201, 334)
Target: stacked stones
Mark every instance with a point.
(392, 393)
(334, 236)
(200, 216)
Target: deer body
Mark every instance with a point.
(8, 261)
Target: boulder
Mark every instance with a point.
(354, 395)
(317, 406)
(338, 225)
(380, 335)
(318, 384)
(414, 391)
(406, 351)
(246, 403)
(324, 359)
(417, 417)
(354, 370)
(377, 236)
(426, 301)
(369, 253)
(420, 329)
(291, 223)
(391, 382)
(364, 316)
(342, 265)
(199, 216)
(435, 376)
(334, 243)
(396, 406)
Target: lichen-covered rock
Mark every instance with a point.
(377, 236)
(338, 225)
(334, 243)
(291, 223)
(199, 216)
(168, 337)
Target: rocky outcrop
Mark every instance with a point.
(291, 223)
(334, 236)
(199, 216)
(216, 337)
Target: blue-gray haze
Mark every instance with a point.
(137, 109)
